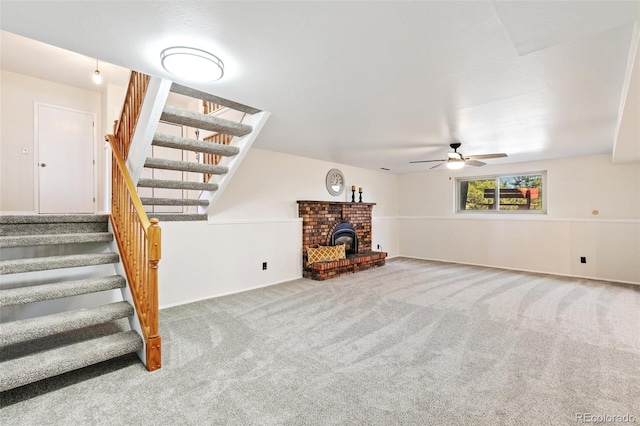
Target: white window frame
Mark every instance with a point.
(497, 177)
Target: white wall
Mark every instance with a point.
(268, 184)
(257, 221)
(551, 243)
(18, 94)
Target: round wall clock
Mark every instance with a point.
(335, 182)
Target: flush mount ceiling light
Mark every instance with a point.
(97, 78)
(192, 64)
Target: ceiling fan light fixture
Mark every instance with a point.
(456, 160)
(455, 164)
(192, 64)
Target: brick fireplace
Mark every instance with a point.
(319, 221)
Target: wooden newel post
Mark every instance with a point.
(155, 236)
(154, 354)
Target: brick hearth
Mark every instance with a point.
(319, 219)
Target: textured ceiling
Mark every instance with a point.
(26, 56)
(378, 84)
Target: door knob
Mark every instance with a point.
(43, 165)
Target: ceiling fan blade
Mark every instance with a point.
(474, 163)
(425, 161)
(485, 156)
(437, 165)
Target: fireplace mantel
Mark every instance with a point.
(350, 203)
(319, 219)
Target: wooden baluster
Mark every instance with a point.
(131, 110)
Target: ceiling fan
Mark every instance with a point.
(455, 159)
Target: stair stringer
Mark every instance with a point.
(154, 101)
(134, 322)
(244, 143)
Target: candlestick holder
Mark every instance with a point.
(360, 196)
(353, 195)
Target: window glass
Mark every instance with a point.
(478, 194)
(525, 190)
(502, 193)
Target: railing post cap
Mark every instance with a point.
(154, 221)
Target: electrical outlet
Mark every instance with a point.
(583, 259)
(264, 266)
(25, 151)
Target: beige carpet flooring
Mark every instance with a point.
(414, 343)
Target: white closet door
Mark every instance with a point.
(65, 169)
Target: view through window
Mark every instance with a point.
(502, 193)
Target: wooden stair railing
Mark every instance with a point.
(138, 239)
(125, 127)
(210, 107)
(213, 159)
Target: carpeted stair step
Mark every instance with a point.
(185, 166)
(34, 224)
(197, 94)
(34, 328)
(56, 262)
(41, 240)
(174, 202)
(177, 142)
(54, 218)
(177, 184)
(51, 228)
(39, 293)
(197, 120)
(177, 217)
(41, 365)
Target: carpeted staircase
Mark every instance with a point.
(74, 252)
(196, 120)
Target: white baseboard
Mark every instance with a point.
(524, 270)
(229, 293)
